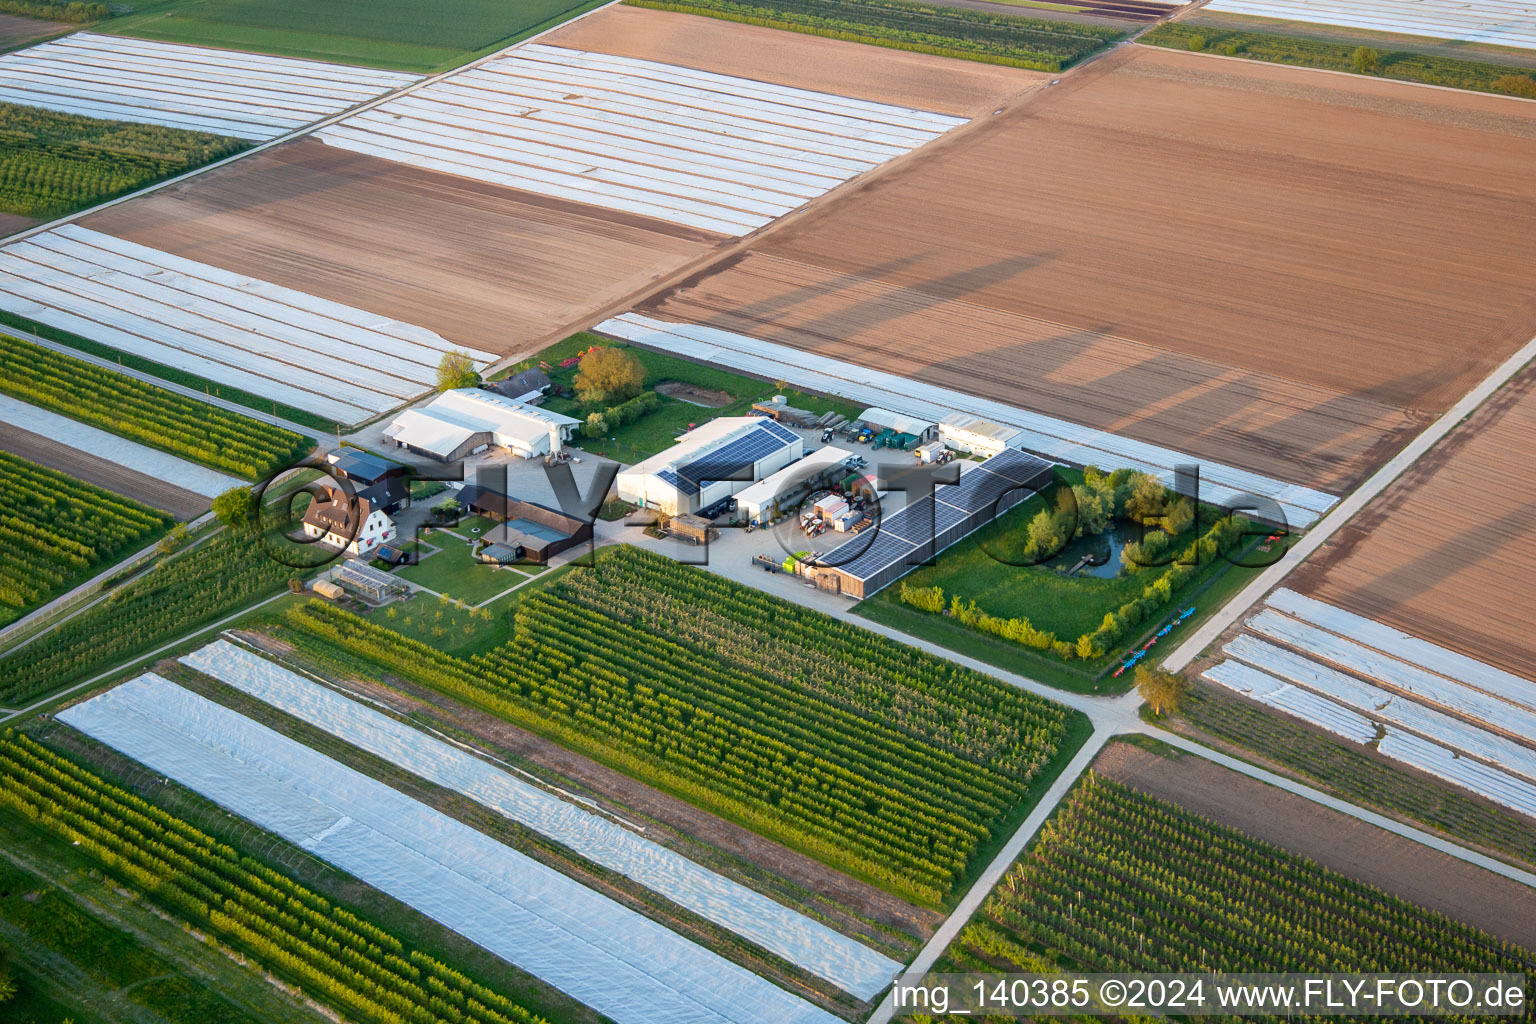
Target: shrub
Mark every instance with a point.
(595, 425)
(1197, 42)
(1366, 60)
(1516, 85)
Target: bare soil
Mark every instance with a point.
(484, 266)
(1445, 553)
(16, 29)
(182, 504)
(1400, 866)
(694, 395)
(1272, 267)
(918, 80)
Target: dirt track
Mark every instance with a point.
(939, 84)
(1285, 269)
(1446, 552)
(484, 266)
(93, 470)
(1402, 867)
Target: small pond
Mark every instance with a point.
(1105, 553)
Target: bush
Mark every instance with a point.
(1366, 60)
(1516, 85)
(595, 426)
(929, 599)
(1197, 42)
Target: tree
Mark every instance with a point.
(595, 426)
(1148, 500)
(173, 540)
(7, 983)
(1197, 42)
(1366, 60)
(236, 508)
(456, 370)
(1163, 690)
(1044, 537)
(607, 376)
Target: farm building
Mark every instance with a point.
(362, 578)
(528, 387)
(466, 421)
(689, 476)
(785, 489)
(911, 536)
(527, 531)
(351, 525)
(976, 436)
(901, 423)
(385, 484)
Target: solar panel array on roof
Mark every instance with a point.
(883, 552)
(979, 491)
(907, 537)
(1020, 467)
(742, 453)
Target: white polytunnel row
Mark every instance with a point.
(152, 462)
(1048, 436)
(612, 958)
(804, 942)
(1505, 22)
(227, 92)
(1407, 648)
(711, 151)
(1375, 701)
(1485, 780)
(311, 353)
(1417, 683)
(1266, 689)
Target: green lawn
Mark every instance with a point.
(404, 35)
(454, 571)
(649, 435)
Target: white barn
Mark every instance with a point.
(688, 476)
(466, 421)
(976, 436)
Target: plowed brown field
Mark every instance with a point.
(1446, 552)
(484, 266)
(939, 84)
(1269, 267)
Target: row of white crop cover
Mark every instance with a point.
(227, 92)
(692, 147)
(622, 964)
(1425, 697)
(334, 360)
(1053, 438)
(1506, 22)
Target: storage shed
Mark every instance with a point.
(976, 436)
(898, 422)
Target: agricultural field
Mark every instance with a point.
(395, 34)
(719, 153)
(56, 532)
(914, 826)
(1214, 715)
(19, 29)
(1006, 39)
(901, 77)
(189, 429)
(329, 953)
(107, 473)
(54, 163)
(220, 92)
(196, 588)
(1502, 22)
(333, 360)
(1173, 891)
(1086, 295)
(1462, 71)
(1436, 555)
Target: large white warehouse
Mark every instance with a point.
(691, 474)
(465, 421)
